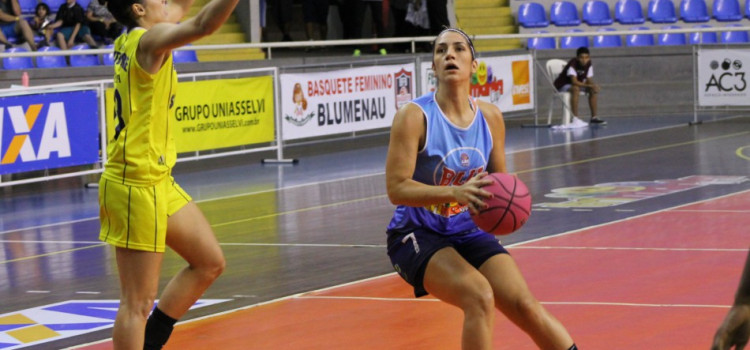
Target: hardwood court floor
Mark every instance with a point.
(649, 245)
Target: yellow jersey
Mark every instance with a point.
(142, 151)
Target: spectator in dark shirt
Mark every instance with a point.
(576, 77)
(70, 19)
(101, 21)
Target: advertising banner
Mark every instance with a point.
(722, 77)
(47, 131)
(503, 81)
(317, 104)
(218, 113)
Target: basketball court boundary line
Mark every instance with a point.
(375, 174)
(298, 295)
(592, 303)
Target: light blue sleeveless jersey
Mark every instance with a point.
(451, 156)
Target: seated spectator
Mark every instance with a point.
(101, 21)
(70, 19)
(40, 23)
(12, 25)
(576, 77)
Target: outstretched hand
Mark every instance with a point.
(471, 193)
(734, 330)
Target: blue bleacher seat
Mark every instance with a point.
(83, 60)
(574, 42)
(665, 39)
(693, 11)
(564, 13)
(532, 15)
(661, 11)
(84, 4)
(629, 12)
(736, 37)
(747, 8)
(17, 62)
(541, 43)
(596, 13)
(108, 59)
(607, 40)
(703, 38)
(639, 39)
(184, 56)
(727, 10)
(50, 61)
(27, 6)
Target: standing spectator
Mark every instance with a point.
(316, 19)
(378, 23)
(101, 21)
(437, 10)
(70, 19)
(40, 23)
(12, 25)
(402, 27)
(282, 14)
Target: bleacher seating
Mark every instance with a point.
(639, 39)
(703, 38)
(727, 10)
(17, 62)
(671, 38)
(629, 12)
(184, 56)
(735, 37)
(83, 60)
(692, 11)
(607, 40)
(54, 5)
(564, 13)
(596, 13)
(108, 59)
(541, 43)
(747, 8)
(50, 61)
(27, 6)
(532, 15)
(661, 11)
(574, 42)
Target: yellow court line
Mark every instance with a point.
(740, 154)
(634, 152)
(299, 210)
(383, 195)
(51, 253)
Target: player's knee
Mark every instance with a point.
(214, 268)
(479, 299)
(139, 308)
(529, 308)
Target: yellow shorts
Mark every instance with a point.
(135, 217)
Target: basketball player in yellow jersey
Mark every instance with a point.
(142, 209)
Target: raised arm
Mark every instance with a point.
(163, 37)
(407, 135)
(177, 9)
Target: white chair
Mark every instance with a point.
(554, 67)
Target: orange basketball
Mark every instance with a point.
(509, 207)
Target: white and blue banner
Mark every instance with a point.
(723, 77)
(47, 131)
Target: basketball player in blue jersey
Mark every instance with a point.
(442, 146)
(142, 208)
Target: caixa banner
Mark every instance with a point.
(47, 131)
(723, 77)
